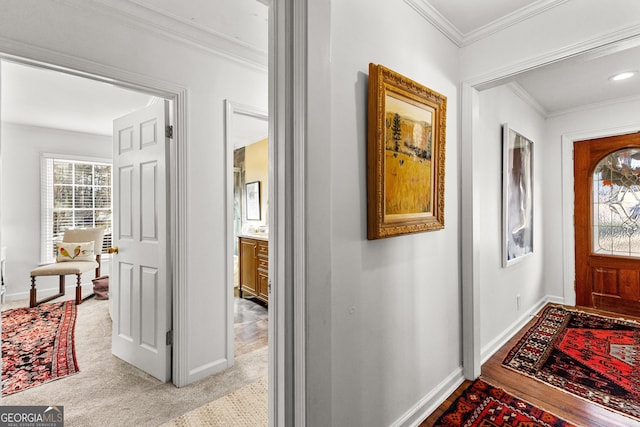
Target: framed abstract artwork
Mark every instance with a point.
(405, 155)
(517, 196)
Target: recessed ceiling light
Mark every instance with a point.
(622, 76)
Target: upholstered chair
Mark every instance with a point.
(79, 252)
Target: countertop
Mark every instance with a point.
(256, 236)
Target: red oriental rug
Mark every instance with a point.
(593, 357)
(37, 345)
(482, 405)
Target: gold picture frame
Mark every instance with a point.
(405, 155)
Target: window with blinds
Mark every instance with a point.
(76, 193)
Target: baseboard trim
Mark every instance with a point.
(429, 403)
(491, 348)
(555, 299)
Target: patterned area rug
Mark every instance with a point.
(593, 357)
(245, 407)
(482, 405)
(37, 345)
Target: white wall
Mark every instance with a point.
(22, 147)
(256, 168)
(395, 306)
(126, 48)
(499, 286)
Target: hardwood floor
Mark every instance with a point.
(250, 325)
(565, 405)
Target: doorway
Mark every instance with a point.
(71, 143)
(607, 223)
(248, 164)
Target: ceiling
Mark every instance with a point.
(41, 97)
(555, 89)
(46, 98)
(583, 81)
(469, 16)
(245, 21)
(248, 129)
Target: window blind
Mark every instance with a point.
(76, 193)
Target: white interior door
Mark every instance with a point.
(140, 280)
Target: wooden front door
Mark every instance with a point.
(607, 223)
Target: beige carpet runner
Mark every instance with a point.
(246, 406)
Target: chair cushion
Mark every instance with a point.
(70, 251)
(70, 267)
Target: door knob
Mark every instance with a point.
(113, 250)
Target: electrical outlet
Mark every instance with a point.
(518, 302)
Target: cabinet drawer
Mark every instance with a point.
(263, 288)
(263, 263)
(263, 248)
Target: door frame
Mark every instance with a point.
(288, 109)
(177, 168)
(568, 229)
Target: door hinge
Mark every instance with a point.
(168, 132)
(170, 337)
(269, 291)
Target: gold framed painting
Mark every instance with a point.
(405, 155)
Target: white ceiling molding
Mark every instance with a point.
(597, 45)
(595, 105)
(177, 28)
(427, 11)
(50, 59)
(510, 19)
(431, 14)
(521, 93)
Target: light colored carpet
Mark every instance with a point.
(245, 407)
(108, 391)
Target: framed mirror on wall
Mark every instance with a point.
(253, 201)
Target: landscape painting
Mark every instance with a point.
(407, 164)
(405, 155)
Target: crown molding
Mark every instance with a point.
(431, 14)
(521, 93)
(598, 45)
(510, 19)
(161, 22)
(435, 18)
(593, 106)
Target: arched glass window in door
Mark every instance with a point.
(616, 204)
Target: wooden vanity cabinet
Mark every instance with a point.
(248, 271)
(254, 268)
